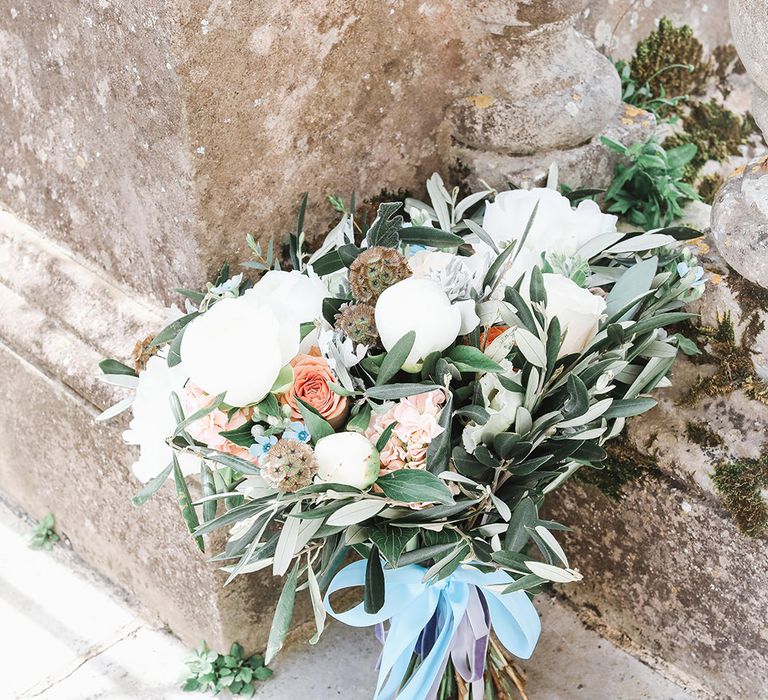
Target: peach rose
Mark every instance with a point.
(311, 375)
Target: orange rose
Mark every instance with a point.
(487, 337)
(311, 375)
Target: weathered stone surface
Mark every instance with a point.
(669, 571)
(60, 318)
(541, 85)
(589, 165)
(667, 568)
(618, 25)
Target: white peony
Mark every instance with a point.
(557, 228)
(291, 292)
(347, 458)
(501, 405)
(418, 305)
(153, 420)
(577, 309)
(239, 346)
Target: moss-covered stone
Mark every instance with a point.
(624, 465)
(750, 296)
(665, 47)
(739, 483)
(702, 434)
(732, 360)
(716, 132)
(709, 186)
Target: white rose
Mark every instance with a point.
(421, 306)
(239, 346)
(347, 458)
(557, 228)
(153, 420)
(577, 310)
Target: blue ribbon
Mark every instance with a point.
(411, 606)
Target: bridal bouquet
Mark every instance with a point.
(407, 395)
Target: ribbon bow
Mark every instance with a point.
(449, 618)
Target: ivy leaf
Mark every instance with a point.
(384, 231)
(391, 541)
(414, 486)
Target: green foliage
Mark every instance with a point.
(44, 535)
(643, 96)
(670, 63)
(234, 672)
(740, 483)
(648, 187)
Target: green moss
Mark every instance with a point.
(702, 434)
(726, 62)
(665, 47)
(716, 132)
(739, 483)
(734, 369)
(709, 186)
(624, 465)
(751, 297)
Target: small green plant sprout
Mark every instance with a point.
(44, 535)
(648, 187)
(234, 672)
(643, 96)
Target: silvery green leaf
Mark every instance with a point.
(411, 203)
(532, 390)
(116, 409)
(657, 366)
(523, 420)
(483, 235)
(286, 545)
(552, 176)
(624, 408)
(552, 543)
(598, 244)
(281, 620)
(399, 391)
(455, 476)
(356, 512)
(592, 434)
(647, 241)
(440, 199)
(628, 374)
(492, 529)
(128, 381)
(307, 530)
(635, 282)
(356, 534)
(468, 202)
(502, 508)
(251, 567)
(595, 411)
(531, 347)
(658, 348)
(318, 609)
(553, 573)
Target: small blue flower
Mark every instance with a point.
(683, 269)
(297, 431)
(262, 445)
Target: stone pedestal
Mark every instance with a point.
(740, 210)
(541, 93)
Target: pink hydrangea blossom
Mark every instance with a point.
(416, 425)
(208, 429)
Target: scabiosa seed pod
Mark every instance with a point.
(358, 322)
(289, 466)
(375, 270)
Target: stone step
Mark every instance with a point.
(70, 634)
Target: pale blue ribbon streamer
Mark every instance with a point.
(410, 604)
